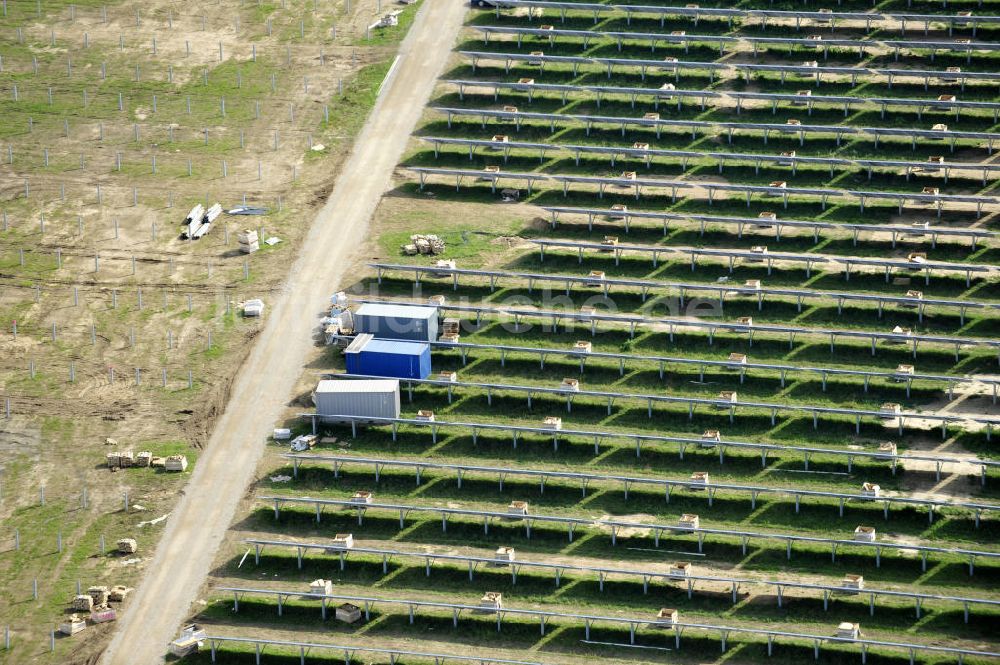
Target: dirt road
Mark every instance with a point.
(198, 524)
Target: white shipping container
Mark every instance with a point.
(363, 398)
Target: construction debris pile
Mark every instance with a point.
(424, 244)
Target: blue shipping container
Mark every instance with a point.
(388, 321)
(377, 357)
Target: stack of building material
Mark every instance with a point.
(727, 396)
(491, 601)
(710, 438)
(764, 219)
(176, 463)
(490, 170)
(83, 603)
(73, 625)
(339, 300)
(744, 320)
(99, 594)
(617, 211)
(504, 555)
(119, 593)
(666, 617)
(348, 613)
(583, 346)
(865, 534)
(681, 569)
(890, 410)
(253, 308)
(114, 459)
(849, 630)
(143, 458)
(193, 218)
(854, 582)
(127, 459)
(190, 639)
(321, 586)
(248, 240)
(343, 541)
(424, 244)
(445, 263)
(699, 480)
(552, 422)
(689, 521)
(282, 434)
(127, 546)
(337, 326)
(158, 462)
(303, 442)
(103, 614)
(447, 375)
(450, 329)
(570, 384)
(518, 508)
(196, 228)
(213, 213)
(362, 496)
(886, 450)
(425, 415)
(870, 490)
(437, 301)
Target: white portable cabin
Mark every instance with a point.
(360, 398)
